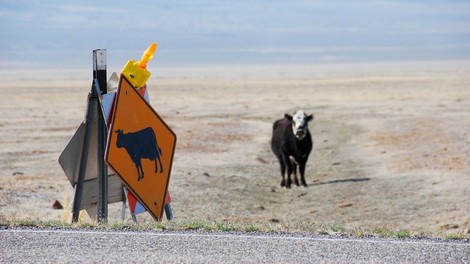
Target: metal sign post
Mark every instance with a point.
(95, 106)
(99, 69)
(99, 75)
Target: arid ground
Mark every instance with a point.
(391, 143)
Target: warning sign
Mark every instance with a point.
(140, 148)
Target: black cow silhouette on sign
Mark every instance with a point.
(140, 145)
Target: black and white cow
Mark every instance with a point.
(140, 145)
(292, 144)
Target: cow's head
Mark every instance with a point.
(299, 123)
(119, 138)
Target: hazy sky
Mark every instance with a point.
(64, 33)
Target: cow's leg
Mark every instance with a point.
(142, 170)
(289, 172)
(283, 170)
(294, 170)
(302, 173)
(156, 167)
(161, 166)
(138, 170)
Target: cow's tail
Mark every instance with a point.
(160, 151)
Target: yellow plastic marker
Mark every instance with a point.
(136, 72)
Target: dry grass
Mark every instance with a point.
(239, 227)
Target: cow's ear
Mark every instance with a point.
(310, 118)
(288, 117)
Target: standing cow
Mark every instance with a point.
(292, 144)
(140, 145)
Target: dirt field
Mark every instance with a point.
(391, 143)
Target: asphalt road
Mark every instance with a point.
(68, 246)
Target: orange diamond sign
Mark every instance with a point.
(140, 148)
